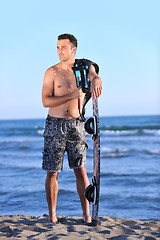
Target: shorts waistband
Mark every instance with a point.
(79, 119)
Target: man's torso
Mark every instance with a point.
(64, 82)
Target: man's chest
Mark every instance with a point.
(65, 80)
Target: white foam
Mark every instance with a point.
(40, 132)
(152, 132)
(154, 151)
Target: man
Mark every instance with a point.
(64, 130)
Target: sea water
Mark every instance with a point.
(130, 169)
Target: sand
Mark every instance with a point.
(72, 228)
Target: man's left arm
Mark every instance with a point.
(96, 82)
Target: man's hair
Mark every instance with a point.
(70, 37)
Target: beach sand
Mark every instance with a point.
(72, 228)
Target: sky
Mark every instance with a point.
(121, 36)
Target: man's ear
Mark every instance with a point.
(74, 50)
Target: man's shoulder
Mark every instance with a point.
(53, 68)
(52, 72)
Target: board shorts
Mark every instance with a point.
(64, 135)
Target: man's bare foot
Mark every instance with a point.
(53, 218)
(87, 219)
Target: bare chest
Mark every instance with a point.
(65, 81)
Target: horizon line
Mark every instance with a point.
(100, 116)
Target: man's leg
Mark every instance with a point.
(51, 194)
(83, 182)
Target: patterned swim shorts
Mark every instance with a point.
(60, 135)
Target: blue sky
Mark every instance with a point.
(122, 36)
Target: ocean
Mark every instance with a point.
(130, 169)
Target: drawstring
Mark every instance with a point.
(63, 127)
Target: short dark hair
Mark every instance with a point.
(70, 37)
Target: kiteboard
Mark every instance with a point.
(92, 192)
(81, 69)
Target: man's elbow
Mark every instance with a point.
(45, 103)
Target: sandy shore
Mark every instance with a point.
(72, 228)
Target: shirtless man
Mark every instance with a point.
(64, 129)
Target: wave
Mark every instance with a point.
(21, 128)
(19, 140)
(22, 132)
(123, 152)
(153, 152)
(129, 127)
(115, 153)
(128, 130)
(20, 146)
(40, 132)
(118, 127)
(126, 175)
(66, 191)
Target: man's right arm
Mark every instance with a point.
(48, 98)
(96, 82)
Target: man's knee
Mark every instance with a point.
(80, 171)
(52, 175)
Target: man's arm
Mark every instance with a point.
(48, 98)
(96, 82)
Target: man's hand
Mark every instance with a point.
(77, 93)
(96, 87)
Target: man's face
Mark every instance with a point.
(65, 50)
